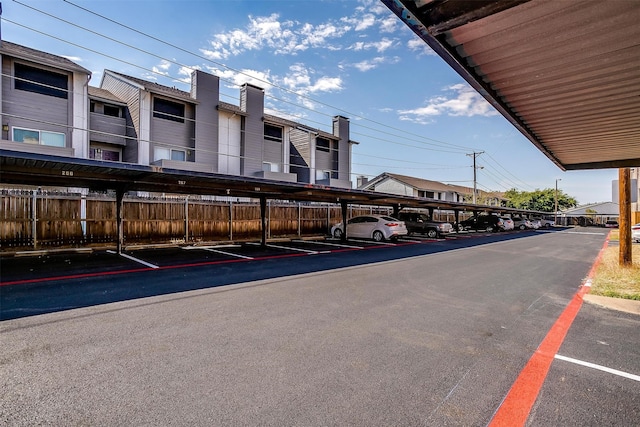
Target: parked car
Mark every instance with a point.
(482, 222)
(546, 223)
(611, 224)
(507, 223)
(376, 227)
(522, 224)
(635, 232)
(417, 222)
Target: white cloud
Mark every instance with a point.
(416, 44)
(379, 46)
(300, 80)
(365, 22)
(466, 102)
(370, 64)
(239, 77)
(326, 84)
(389, 24)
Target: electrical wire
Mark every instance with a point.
(181, 80)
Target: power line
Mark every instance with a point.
(421, 140)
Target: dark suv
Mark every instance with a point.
(420, 223)
(482, 222)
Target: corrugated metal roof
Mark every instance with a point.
(565, 73)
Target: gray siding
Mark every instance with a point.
(129, 94)
(206, 90)
(300, 141)
(33, 110)
(323, 161)
(341, 130)
(300, 155)
(273, 152)
(110, 130)
(252, 102)
(172, 134)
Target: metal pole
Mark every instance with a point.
(186, 219)
(230, 219)
(119, 219)
(34, 219)
(555, 198)
(263, 220)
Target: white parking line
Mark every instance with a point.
(134, 259)
(293, 249)
(599, 367)
(582, 232)
(227, 253)
(329, 244)
(379, 243)
(188, 248)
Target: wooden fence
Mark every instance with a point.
(34, 219)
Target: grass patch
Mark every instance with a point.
(612, 280)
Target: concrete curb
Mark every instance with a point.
(620, 304)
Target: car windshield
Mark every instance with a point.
(388, 218)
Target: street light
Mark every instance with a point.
(555, 213)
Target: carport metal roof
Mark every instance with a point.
(564, 73)
(25, 168)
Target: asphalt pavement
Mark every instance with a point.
(421, 333)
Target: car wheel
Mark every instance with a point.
(522, 227)
(377, 236)
(489, 228)
(431, 233)
(337, 233)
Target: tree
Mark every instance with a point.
(539, 200)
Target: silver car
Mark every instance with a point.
(376, 227)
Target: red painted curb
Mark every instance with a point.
(516, 406)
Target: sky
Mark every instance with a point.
(410, 113)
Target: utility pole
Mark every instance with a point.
(475, 180)
(624, 189)
(555, 199)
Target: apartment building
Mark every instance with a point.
(44, 102)
(49, 107)
(418, 187)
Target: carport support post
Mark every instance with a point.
(119, 218)
(624, 179)
(263, 220)
(396, 211)
(343, 206)
(457, 218)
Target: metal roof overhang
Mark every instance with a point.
(566, 74)
(24, 168)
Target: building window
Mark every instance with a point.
(168, 110)
(30, 136)
(270, 167)
(322, 175)
(112, 110)
(41, 81)
(272, 133)
(104, 154)
(161, 153)
(323, 144)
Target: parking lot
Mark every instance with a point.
(416, 332)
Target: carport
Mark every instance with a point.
(25, 168)
(565, 74)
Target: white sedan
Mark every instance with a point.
(376, 227)
(635, 232)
